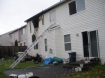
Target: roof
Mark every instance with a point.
(46, 10)
(17, 29)
(5, 33)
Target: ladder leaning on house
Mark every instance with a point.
(51, 27)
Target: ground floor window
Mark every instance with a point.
(45, 42)
(36, 46)
(67, 42)
(20, 44)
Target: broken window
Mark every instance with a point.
(33, 37)
(36, 23)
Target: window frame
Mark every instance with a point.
(76, 6)
(50, 13)
(30, 26)
(20, 44)
(23, 31)
(45, 43)
(24, 43)
(42, 19)
(67, 42)
(36, 47)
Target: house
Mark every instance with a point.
(4, 39)
(19, 35)
(82, 29)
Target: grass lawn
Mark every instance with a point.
(96, 72)
(4, 65)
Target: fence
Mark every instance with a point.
(9, 51)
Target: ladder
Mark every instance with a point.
(51, 27)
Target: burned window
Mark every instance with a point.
(33, 37)
(36, 23)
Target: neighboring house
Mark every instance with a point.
(4, 39)
(19, 35)
(82, 29)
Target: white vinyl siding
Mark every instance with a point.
(90, 19)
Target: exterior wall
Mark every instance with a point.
(90, 19)
(21, 38)
(14, 36)
(4, 39)
(29, 38)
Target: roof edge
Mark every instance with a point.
(46, 10)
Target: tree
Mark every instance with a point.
(16, 43)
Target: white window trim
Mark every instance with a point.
(50, 16)
(67, 42)
(76, 6)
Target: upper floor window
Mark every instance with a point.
(22, 31)
(53, 16)
(30, 27)
(10, 36)
(42, 19)
(104, 4)
(67, 41)
(76, 6)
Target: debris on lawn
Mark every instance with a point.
(54, 60)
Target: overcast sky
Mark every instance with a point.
(13, 13)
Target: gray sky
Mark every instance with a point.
(13, 13)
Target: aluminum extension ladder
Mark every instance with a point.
(51, 27)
